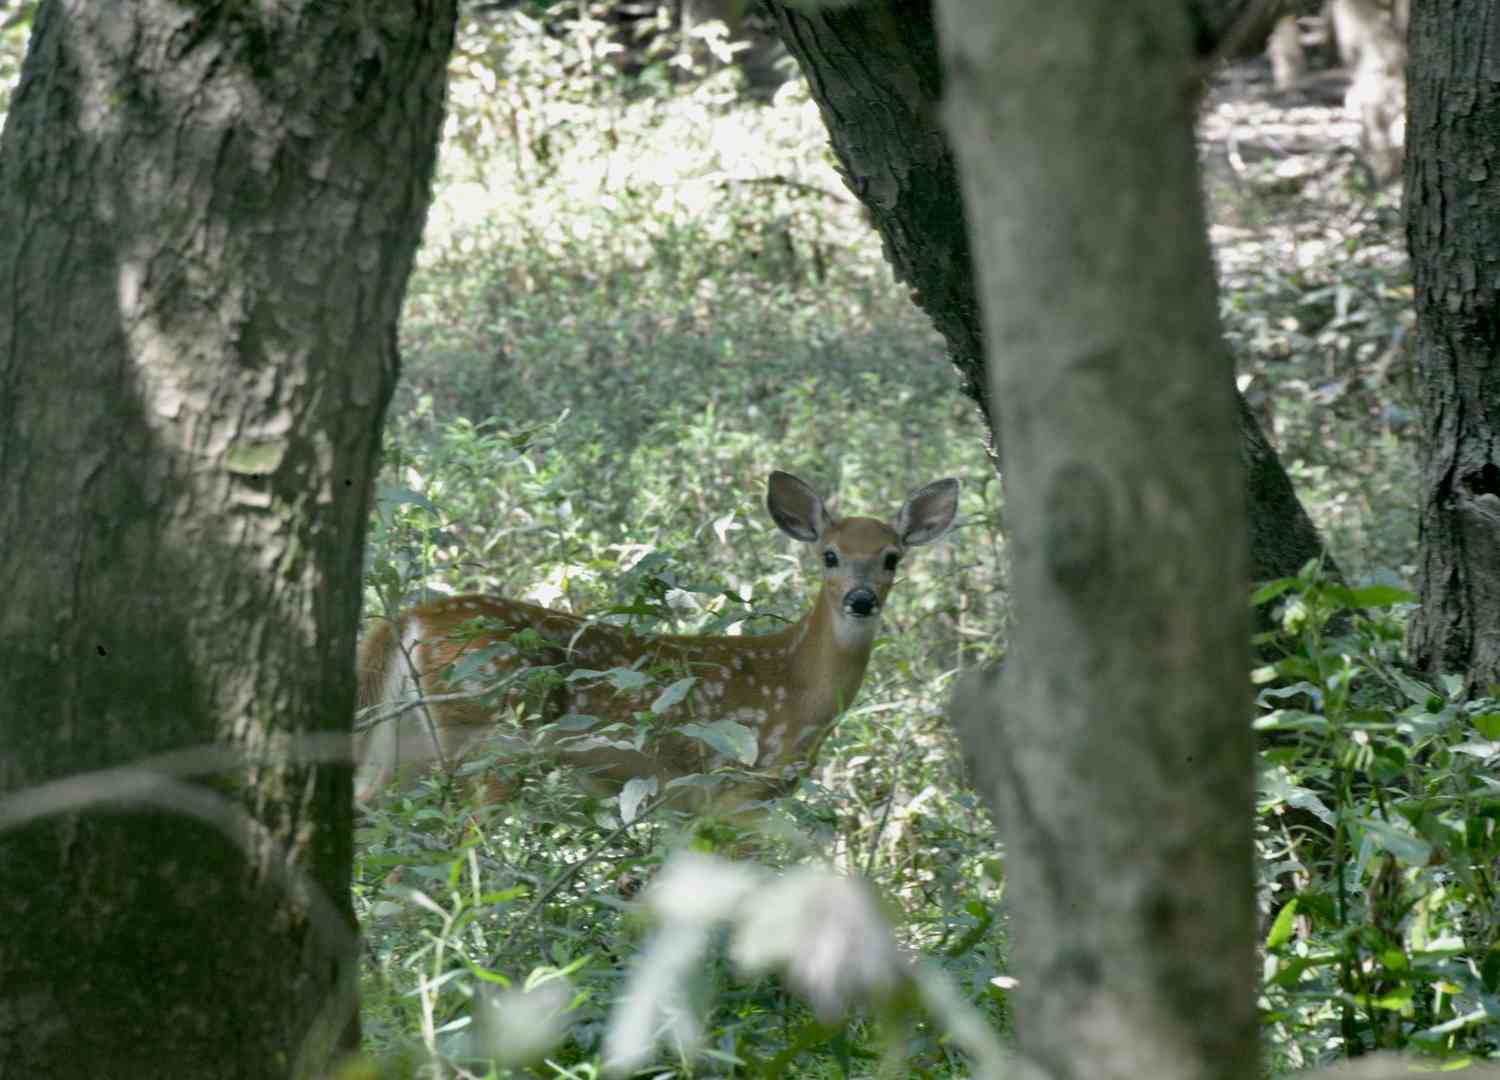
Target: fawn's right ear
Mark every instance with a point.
(796, 508)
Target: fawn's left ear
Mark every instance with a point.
(928, 513)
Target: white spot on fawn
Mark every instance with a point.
(774, 740)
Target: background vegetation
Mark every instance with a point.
(637, 297)
(609, 346)
(608, 349)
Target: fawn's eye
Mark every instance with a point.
(830, 558)
(891, 561)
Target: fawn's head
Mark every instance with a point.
(859, 554)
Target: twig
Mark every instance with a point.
(779, 180)
(570, 872)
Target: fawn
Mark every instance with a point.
(762, 703)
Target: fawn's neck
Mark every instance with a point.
(825, 663)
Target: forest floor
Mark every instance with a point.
(1317, 307)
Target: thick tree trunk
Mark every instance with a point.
(1453, 231)
(1116, 752)
(874, 70)
(208, 215)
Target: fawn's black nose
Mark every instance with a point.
(862, 603)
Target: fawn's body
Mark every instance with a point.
(785, 689)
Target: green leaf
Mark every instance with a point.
(1380, 596)
(1297, 667)
(391, 496)
(1489, 970)
(1394, 960)
(1296, 689)
(1281, 929)
(1289, 970)
(1290, 720)
(673, 694)
(1478, 748)
(1339, 596)
(574, 722)
(728, 738)
(1488, 725)
(1442, 948)
(696, 780)
(1266, 672)
(1271, 590)
(1304, 799)
(1397, 1000)
(477, 662)
(1440, 1031)
(636, 791)
(1275, 785)
(1410, 849)
(1415, 692)
(627, 679)
(1319, 907)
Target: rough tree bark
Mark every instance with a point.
(1453, 232)
(1114, 747)
(207, 217)
(874, 71)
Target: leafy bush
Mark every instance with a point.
(523, 893)
(1378, 843)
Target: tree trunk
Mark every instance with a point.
(874, 71)
(1117, 753)
(1284, 50)
(209, 213)
(1453, 232)
(1372, 45)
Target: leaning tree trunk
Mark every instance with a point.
(874, 71)
(1453, 231)
(207, 217)
(1114, 747)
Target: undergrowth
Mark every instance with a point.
(1377, 840)
(608, 348)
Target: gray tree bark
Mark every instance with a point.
(207, 217)
(874, 71)
(1114, 748)
(1453, 232)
